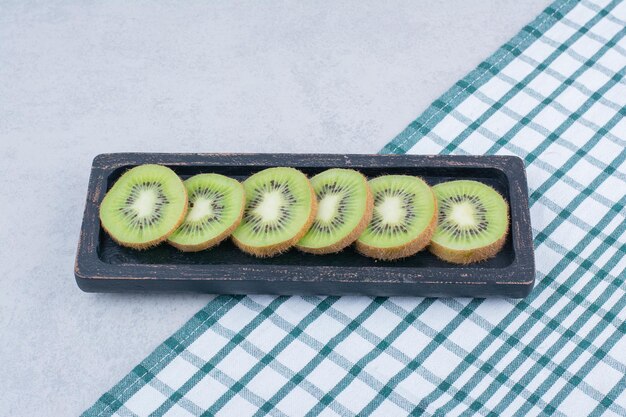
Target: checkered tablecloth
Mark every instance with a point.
(554, 95)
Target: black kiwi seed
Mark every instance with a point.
(217, 207)
(130, 214)
(258, 225)
(340, 217)
(456, 230)
(379, 227)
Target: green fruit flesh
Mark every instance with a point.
(215, 204)
(144, 205)
(341, 196)
(471, 215)
(404, 206)
(278, 207)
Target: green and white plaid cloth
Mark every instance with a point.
(554, 95)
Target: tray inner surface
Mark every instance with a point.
(227, 254)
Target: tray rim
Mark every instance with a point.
(520, 272)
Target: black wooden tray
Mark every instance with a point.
(104, 266)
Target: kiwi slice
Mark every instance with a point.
(280, 207)
(405, 216)
(344, 209)
(144, 206)
(215, 209)
(473, 222)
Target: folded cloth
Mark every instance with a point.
(554, 95)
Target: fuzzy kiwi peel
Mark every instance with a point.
(345, 206)
(216, 206)
(144, 206)
(280, 208)
(404, 219)
(473, 222)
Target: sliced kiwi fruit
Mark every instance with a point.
(473, 222)
(216, 206)
(404, 219)
(344, 209)
(144, 206)
(280, 208)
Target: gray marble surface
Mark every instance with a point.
(82, 78)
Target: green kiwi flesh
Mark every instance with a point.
(404, 219)
(344, 209)
(216, 206)
(144, 206)
(473, 222)
(280, 207)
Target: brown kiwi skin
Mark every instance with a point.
(398, 252)
(217, 239)
(155, 242)
(469, 256)
(352, 236)
(272, 250)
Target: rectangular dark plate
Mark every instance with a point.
(104, 266)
